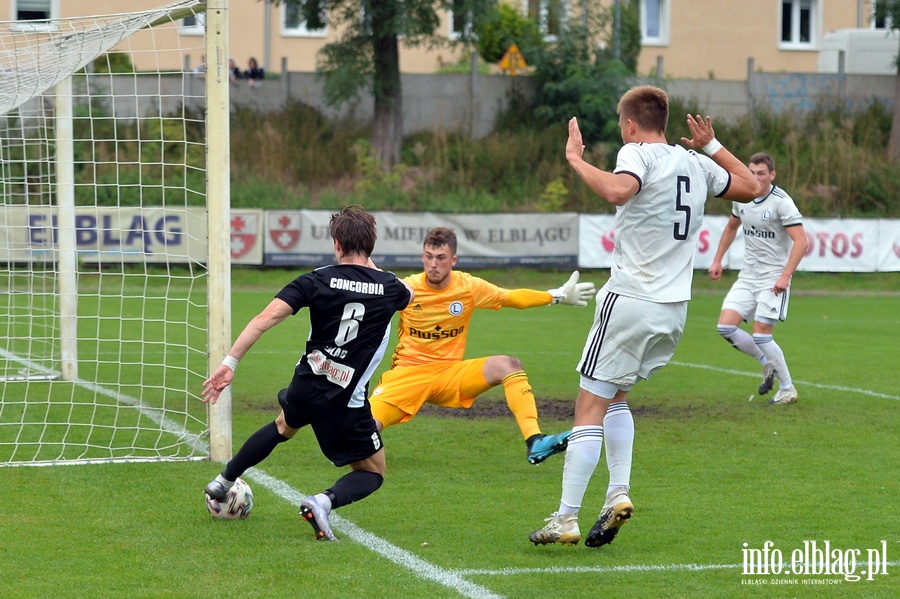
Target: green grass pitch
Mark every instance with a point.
(716, 473)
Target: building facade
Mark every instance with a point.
(715, 39)
(685, 38)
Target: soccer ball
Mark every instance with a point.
(236, 505)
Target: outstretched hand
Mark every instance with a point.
(701, 131)
(573, 293)
(575, 144)
(214, 385)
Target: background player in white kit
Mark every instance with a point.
(774, 244)
(659, 191)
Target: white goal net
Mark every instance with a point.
(104, 268)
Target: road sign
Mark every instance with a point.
(513, 61)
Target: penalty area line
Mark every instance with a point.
(598, 569)
(803, 383)
(620, 569)
(421, 568)
(448, 578)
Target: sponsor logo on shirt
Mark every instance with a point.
(437, 333)
(759, 233)
(337, 373)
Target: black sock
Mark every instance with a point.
(530, 440)
(355, 485)
(254, 450)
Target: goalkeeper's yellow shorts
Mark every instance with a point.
(401, 392)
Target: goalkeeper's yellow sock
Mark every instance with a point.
(520, 399)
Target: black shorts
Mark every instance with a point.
(345, 435)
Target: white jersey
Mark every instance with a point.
(767, 244)
(656, 230)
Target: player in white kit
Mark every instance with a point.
(659, 191)
(774, 244)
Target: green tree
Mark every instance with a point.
(888, 12)
(367, 55)
(624, 37)
(505, 26)
(576, 77)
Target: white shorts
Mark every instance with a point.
(756, 301)
(630, 339)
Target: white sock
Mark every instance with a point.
(773, 352)
(742, 341)
(582, 457)
(618, 428)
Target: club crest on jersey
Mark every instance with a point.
(766, 215)
(456, 308)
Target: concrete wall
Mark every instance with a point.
(730, 100)
(460, 102)
(448, 102)
(803, 91)
(456, 102)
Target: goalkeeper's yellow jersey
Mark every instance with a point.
(434, 327)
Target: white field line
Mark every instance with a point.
(597, 569)
(26, 363)
(452, 579)
(856, 390)
(373, 543)
(744, 373)
(398, 556)
(156, 415)
(617, 569)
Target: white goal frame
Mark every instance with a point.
(175, 433)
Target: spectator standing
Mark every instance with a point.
(254, 73)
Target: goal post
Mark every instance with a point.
(114, 237)
(218, 194)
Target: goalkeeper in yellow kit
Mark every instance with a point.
(428, 365)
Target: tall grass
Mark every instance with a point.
(831, 160)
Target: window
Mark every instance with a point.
(884, 22)
(799, 20)
(460, 21)
(193, 25)
(292, 23)
(34, 15)
(655, 22)
(550, 16)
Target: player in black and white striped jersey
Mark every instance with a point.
(774, 245)
(350, 308)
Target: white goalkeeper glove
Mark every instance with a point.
(573, 293)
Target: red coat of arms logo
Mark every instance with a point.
(284, 230)
(244, 229)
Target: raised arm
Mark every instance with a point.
(274, 313)
(744, 186)
(615, 189)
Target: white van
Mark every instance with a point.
(866, 51)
